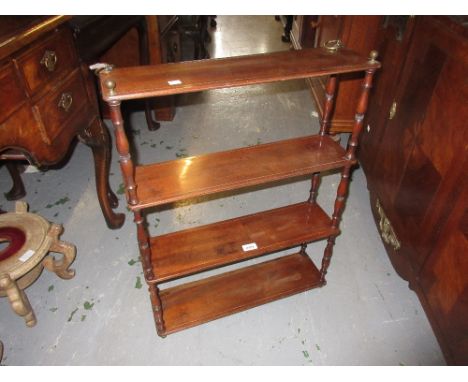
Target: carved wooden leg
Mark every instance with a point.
(18, 299)
(96, 137)
(157, 309)
(17, 190)
(68, 251)
(145, 60)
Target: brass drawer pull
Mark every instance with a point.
(65, 101)
(49, 60)
(386, 229)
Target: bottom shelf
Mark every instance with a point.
(205, 300)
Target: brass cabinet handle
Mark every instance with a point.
(65, 101)
(393, 110)
(333, 45)
(49, 60)
(386, 229)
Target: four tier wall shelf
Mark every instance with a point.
(194, 250)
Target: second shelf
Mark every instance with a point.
(176, 180)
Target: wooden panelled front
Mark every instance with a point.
(32, 117)
(393, 41)
(58, 109)
(445, 281)
(48, 61)
(416, 167)
(10, 85)
(422, 146)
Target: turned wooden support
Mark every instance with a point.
(145, 255)
(123, 148)
(360, 114)
(314, 187)
(336, 218)
(329, 103)
(157, 309)
(144, 245)
(330, 91)
(326, 259)
(345, 174)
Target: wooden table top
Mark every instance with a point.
(18, 31)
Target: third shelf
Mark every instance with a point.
(193, 250)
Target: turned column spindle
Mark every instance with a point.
(360, 114)
(144, 245)
(330, 91)
(345, 174)
(157, 309)
(123, 148)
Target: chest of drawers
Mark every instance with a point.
(46, 100)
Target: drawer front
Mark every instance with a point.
(48, 61)
(59, 109)
(20, 130)
(11, 94)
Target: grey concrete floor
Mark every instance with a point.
(365, 315)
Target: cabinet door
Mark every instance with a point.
(393, 41)
(423, 145)
(444, 279)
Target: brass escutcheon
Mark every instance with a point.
(65, 101)
(393, 110)
(49, 60)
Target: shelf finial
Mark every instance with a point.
(373, 56)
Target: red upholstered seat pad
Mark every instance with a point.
(16, 239)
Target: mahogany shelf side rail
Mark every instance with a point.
(187, 252)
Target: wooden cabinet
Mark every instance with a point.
(178, 254)
(46, 102)
(415, 158)
(49, 71)
(355, 32)
(393, 40)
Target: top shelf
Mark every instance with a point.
(192, 76)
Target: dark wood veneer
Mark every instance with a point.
(416, 162)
